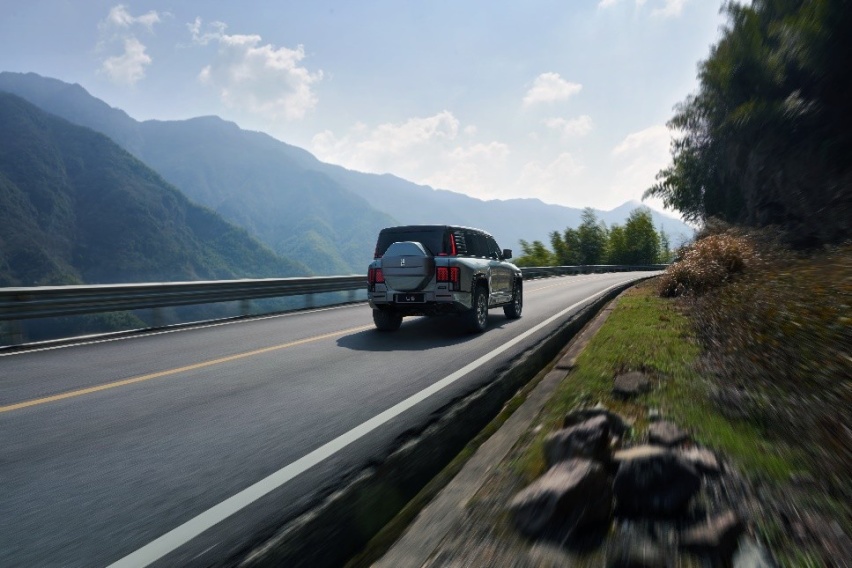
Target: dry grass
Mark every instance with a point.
(776, 333)
(705, 265)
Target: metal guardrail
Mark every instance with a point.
(545, 271)
(52, 301)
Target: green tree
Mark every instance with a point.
(592, 235)
(640, 237)
(535, 254)
(767, 139)
(616, 246)
(566, 247)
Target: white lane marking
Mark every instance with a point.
(182, 534)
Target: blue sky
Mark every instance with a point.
(561, 100)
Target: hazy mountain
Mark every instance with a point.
(77, 208)
(323, 214)
(508, 220)
(248, 177)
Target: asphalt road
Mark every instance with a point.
(178, 448)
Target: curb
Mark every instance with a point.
(344, 523)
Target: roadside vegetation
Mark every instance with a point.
(784, 431)
(637, 242)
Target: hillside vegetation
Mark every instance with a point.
(76, 208)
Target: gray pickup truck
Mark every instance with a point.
(441, 269)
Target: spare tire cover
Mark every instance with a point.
(407, 266)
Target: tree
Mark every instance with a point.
(592, 235)
(616, 246)
(566, 247)
(534, 254)
(641, 240)
(767, 139)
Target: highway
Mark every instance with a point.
(180, 447)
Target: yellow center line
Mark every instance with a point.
(194, 366)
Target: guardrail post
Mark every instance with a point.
(309, 300)
(245, 307)
(352, 295)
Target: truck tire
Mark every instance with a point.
(513, 310)
(476, 319)
(386, 320)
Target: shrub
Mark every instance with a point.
(705, 264)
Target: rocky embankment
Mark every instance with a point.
(662, 501)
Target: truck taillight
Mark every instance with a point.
(448, 274)
(375, 276)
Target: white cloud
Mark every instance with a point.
(434, 150)
(550, 87)
(664, 8)
(550, 181)
(128, 68)
(637, 159)
(256, 77)
(670, 9)
(116, 30)
(579, 126)
(120, 17)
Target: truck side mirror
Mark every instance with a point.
(507, 253)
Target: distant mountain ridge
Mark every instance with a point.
(322, 214)
(77, 208)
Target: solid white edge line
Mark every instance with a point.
(182, 534)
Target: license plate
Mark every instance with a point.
(410, 298)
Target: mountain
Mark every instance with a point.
(508, 220)
(77, 208)
(249, 178)
(322, 214)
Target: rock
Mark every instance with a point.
(665, 433)
(572, 494)
(618, 425)
(631, 384)
(750, 555)
(717, 537)
(635, 552)
(638, 452)
(589, 439)
(702, 459)
(650, 484)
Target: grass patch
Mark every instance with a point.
(653, 335)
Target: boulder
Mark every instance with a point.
(635, 452)
(717, 537)
(665, 433)
(589, 439)
(702, 459)
(618, 425)
(572, 494)
(655, 484)
(630, 384)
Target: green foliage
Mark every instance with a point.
(76, 208)
(534, 254)
(767, 140)
(592, 235)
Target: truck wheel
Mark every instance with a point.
(476, 319)
(386, 321)
(513, 310)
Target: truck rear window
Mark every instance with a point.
(432, 239)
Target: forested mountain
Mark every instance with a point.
(322, 214)
(249, 178)
(77, 208)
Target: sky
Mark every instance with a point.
(561, 100)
